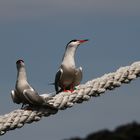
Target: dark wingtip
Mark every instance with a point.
(51, 84)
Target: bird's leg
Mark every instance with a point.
(75, 88)
(72, 88)
(64, 88)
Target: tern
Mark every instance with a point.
(68, 76)
(23, 92)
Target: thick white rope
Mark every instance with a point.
(63, 100)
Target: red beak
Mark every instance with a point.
(82, 41)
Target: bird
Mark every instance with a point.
(23, 92)
(68, 76)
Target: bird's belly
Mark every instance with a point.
(67, 78)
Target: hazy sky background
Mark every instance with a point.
(38, 30)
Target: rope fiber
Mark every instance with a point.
(64, 100)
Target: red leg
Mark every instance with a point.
(64, 88)
(72, 88)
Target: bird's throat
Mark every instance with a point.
(21, 76)
(68, 58)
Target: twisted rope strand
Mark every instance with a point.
(63, 100)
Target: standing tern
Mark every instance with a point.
(68, 76)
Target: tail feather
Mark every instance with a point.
(51, 84)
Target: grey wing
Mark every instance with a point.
(78, 76)
(32, 97)
(15, 97)
(57, 79)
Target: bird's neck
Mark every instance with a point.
(21, 75)
(68, 58)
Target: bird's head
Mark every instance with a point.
(20, 63)
(76, 42)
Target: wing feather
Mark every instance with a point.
(33, 97)
(57, 79)
(15, 98)
(78, 76)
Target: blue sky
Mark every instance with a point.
(38, 30)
